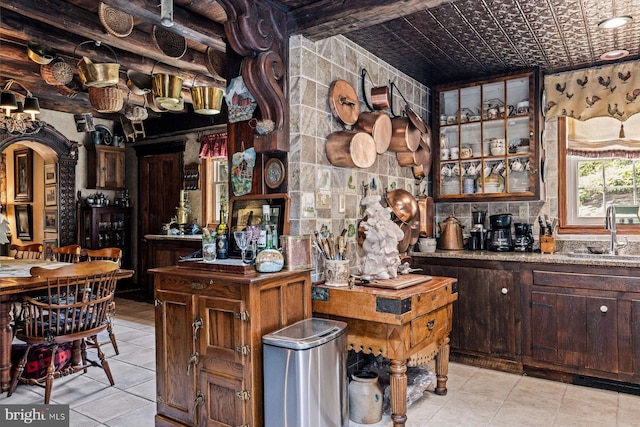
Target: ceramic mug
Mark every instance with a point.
(466, 152)
(444, 154)
(456, 169)
(499, 167)
(472, 169)
(443, 119)
(517, 166)
(446, 170)
(487, 171)
(454, 153)
(497, 147)
(522, 107)
(493, 113)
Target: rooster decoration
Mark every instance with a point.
(604, 82)
(560, 88)
(582, 82)
(624, 77)
(631, 97)
(613, 112)
(592, 101)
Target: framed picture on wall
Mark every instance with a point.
(23, 178)
(50, 173)
(50, 195)
(24, 222)
(51, 220)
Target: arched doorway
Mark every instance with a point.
(67, 158)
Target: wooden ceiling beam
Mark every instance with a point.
(322, 19)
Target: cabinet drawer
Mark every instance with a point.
(429, 325)
(199, 284)
(432, 299)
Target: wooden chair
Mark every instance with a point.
(70, 253)
(30, 251)
(75, 308)
(106, 254)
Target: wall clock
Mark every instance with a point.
(274, 173)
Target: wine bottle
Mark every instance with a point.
(222, 240)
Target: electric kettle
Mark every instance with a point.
(451, 234)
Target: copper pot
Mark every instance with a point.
(379, 126)
(404, 136)
(351, 149)
(403, 205)
(380, 98)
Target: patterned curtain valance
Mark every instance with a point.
(603, 137)
(213, 146)
(609, 91)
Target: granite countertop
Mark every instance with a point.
(530, 257)
(173, 237)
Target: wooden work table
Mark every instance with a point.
(409, 326)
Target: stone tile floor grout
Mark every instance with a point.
(476, 396)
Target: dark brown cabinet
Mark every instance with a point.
(105, 227)
(105, 167)
(588, 323)
(209, 328)
(162, 252)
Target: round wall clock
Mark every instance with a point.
(274, 173)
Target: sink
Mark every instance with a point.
(604, 256)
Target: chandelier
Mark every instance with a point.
(20, 111)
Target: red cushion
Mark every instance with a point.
(40, 357)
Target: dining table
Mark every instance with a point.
(15, 281)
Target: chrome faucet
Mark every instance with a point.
(610, 224)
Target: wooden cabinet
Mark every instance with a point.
(487, 139)
(486, 317)
(163, 251)
(105, 167)
(104, 227)
(586, 323)
(209, 328)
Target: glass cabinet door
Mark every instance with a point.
(487, 147)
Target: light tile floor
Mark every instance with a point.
(476, 396)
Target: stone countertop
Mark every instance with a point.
(530, 257)
(173, 237)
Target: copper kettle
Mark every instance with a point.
(451, 234)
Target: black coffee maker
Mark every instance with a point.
(523, 241)
(500, 238)
(477, 232)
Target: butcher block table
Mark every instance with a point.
(409, 326)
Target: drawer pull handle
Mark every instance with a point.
(193, 360)
(197, 286)
(504, 291)
(198, 401)
(430, 324)
(604, 308)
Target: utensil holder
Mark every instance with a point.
(547, 244)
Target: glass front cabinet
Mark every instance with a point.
(488, 147)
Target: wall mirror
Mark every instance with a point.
(247, 207)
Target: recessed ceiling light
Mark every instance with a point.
(615, 22)
(614, 54)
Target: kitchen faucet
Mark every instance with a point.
(610, 224)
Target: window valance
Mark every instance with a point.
(608, 91)
(213, 146)
(602, 137)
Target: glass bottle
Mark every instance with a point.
(222, 239)
(264, 226)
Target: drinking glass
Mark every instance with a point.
(209, 248)
(242, 240)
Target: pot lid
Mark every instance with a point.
(344, 103)
(416, 120)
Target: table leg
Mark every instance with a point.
(442, 368)
(6, 337)
(398, 380)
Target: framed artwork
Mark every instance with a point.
(50, 173)
(50, 195)
(242, 207)
(24, 222)
(51, 220)
(23, 179)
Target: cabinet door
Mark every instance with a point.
(487, 304)
(175, 387)
(575, 330)
(223, 401)
(223, 333)
(111, 169)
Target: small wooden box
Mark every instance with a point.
(297, 251)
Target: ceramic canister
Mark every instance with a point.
(365, 398)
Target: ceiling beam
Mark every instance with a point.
(322, 19)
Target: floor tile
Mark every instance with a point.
(141, 417)
(112, 406)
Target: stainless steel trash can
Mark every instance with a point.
(305, 379)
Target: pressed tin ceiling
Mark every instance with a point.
(467, 39)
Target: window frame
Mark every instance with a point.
(567, 180)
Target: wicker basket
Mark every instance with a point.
(116, 22)
(106, 99)
(57, 72)
(135, 112)
(171, 44)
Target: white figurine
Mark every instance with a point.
(381, 258)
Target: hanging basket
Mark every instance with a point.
(57, 72)
(106, 99)
(116, 22)
(171, 44)
(98, 74)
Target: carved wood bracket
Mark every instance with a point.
(257, 31)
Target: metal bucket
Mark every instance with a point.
(206, 99)
(166, 88)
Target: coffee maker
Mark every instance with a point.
(523, 241)
(477, 232)
(499, 237)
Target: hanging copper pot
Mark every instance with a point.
(404, 136)
(378, 125)
(351, 149)
(380, 98)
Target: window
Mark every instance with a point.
(215, 190)
(595, 178)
